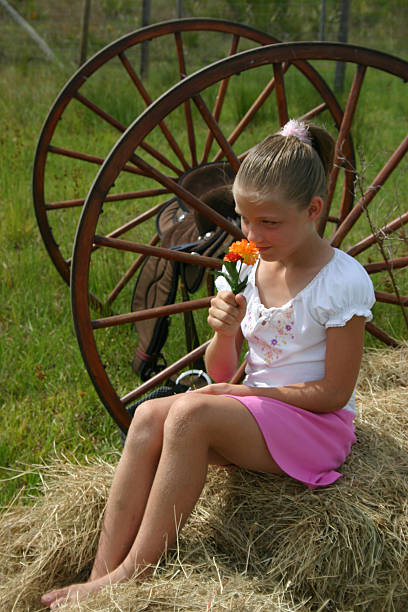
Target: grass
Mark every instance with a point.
(47, 398)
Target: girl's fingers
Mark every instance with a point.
(241, 303)
(228, 303)
(226, 312)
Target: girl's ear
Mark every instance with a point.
(315, 208)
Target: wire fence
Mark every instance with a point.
(377, 24)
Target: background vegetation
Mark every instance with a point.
(47, 402)
(377, 23)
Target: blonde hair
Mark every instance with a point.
(297, 170)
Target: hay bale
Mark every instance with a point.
(54, 538)
(254, 542)
(383, 368)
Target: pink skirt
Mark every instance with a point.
(308, 446)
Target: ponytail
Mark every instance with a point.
(296, 162)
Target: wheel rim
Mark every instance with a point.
(193, 88)
(59, 162)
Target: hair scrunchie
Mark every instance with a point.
(298, 129)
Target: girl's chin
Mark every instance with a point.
(267, 253)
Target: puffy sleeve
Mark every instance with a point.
(345, 292)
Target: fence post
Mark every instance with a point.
(322, 20)
(342, 37)
(144, 54)
(84, 32)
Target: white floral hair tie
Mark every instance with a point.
(298, 129)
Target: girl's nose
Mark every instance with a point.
(252, 234)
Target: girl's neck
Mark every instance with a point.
(280, 281)
(313, 253)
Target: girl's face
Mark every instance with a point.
(280, 229)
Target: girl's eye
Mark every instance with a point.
(270, 222)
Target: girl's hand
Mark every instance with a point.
(226, 313)
(224, 389)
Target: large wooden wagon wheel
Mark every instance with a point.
(373, 230)
(107, 93)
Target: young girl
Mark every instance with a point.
(303, 314)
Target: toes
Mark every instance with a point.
(54, 598)
(48, 598)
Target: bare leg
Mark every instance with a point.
(131, 485)
(130, 490)
(198, 430)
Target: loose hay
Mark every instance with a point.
(254, 542)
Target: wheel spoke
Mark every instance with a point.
(161, 158)
(148, 100)
(249, 115)
(130, 273)
(148, 214)
(92, 159)
(368, 196)
(340, 159)
(118, 197)
(239, 374)
(314, 112)
(216, 131)
(129, 225)
(222, 90)
(166, 373)
(387, 265)
(394, 264)
(390, 298)
(65, 204)
(380, 234)
(283, 114)
(251, 112)
(122, 128)
(151, 313)
(187, 106)
(145, 249)
(382, 335)
(189, 198)
(100, 112)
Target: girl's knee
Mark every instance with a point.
(147, 424)
(187, 414)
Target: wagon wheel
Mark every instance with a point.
(373, 231)
(65, 159)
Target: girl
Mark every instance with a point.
(302, 313)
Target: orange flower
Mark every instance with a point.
(246, 250)
(231, 256)
(240, 251)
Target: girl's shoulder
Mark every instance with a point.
(344, 271)
(342, 289)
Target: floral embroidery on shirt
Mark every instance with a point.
(250, 321)
(280, 329)
(269, 352)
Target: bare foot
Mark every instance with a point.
(77, 592)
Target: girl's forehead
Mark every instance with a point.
(272, 205)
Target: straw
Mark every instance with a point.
(254, 542)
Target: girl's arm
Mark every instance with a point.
(224, 317)
(344, 350)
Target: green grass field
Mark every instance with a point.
(48, 403)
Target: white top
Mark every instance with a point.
(287, 344)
